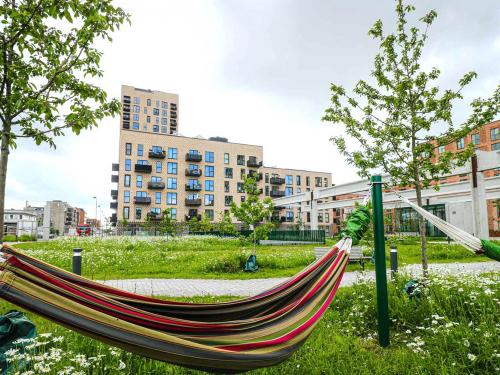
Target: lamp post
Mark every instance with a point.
(95, 223)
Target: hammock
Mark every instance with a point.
(474, 244)
(236, 336)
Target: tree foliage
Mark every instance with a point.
(224, 225)
(167, 223)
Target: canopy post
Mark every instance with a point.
(380, 268)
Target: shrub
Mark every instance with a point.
(9, 238)
(26, 237)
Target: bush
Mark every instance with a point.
(26, 237)
(9, 238)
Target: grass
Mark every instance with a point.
(453, 328)
(204, 257)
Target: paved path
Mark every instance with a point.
(201, 287)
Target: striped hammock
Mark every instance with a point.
(236, 336)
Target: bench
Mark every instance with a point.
(356, 255)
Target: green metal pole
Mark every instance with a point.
(380, 269)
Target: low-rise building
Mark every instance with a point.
(20, 222)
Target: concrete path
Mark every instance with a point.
(203, 287)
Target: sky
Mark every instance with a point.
(255, 72)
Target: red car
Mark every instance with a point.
(83, 230)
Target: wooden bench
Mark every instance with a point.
(356, 255)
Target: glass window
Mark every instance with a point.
(126, 196)
(157, 197)
(140, 150)
(173, 213)
(209, 170)
(228, 172)
(138, 181)
(163, 121)
(193, 152)
(158, 167)
(299, 190)
(495, 134)
(171, 183)
(128, 148)
(297, 180)
(157, 103)
(461, 143)
(242, 173)
(289, 216)
(308, 181)
(164, 105)
(128, 164)
(135, 126)
(240, 160)
(226, 158)
(142, 162)
(164, 129)
(145, 110)
(228, 199)
(209, 199)
(172, 153)
(209, 185)
(289, 179)
(156, 112)
(209, 214)
(155, 179)
(267, 178)
(172, 168)
(126, 181)
(148, 102)
(156, 128)
(136, 117)
(148, 119)
(209, 157)
(145, 128)
(137, 100)
(138, 213)
(441, 149)
(288, 191)
(171, 198)
(226, 186)
(476, 139)
(126, 212)
(495, 146)
(137, 108)
(318, 181)
(240, 187)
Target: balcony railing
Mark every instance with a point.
(113, 205)
(156, 185)
(193, 202)
(154, 216)
(255, 176)
(114, 194)
(157, 154)
(276, 181)
(253, 163)
(277, 193)
(193, 172)
(143, 168)
(114, 178)
(142, 200)
(115, 167)
(193, 187)
(193, 157)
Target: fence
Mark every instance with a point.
(276, 235)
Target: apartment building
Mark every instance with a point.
(191, 176)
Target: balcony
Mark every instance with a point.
(173, 106)
(276, 181)
(173, 114)
(156, 185)
(114, 194)
(126, 124)
(255, 176)
(277, 193)
(193, 157)
(143, 168)
(189, 217)
(113, 218)
(142, 200)
(193, 202)
(114, 178)
(157, 154)
(193, 172)
(193, 187)
(154, 216)
(113, 205)
(252, 163)
(115, 167)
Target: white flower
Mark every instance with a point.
(471, 356)
(11, 352)
(121, 365)
(466, 343)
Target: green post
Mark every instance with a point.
(380, 269)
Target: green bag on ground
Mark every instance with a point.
(13, 326)
(251, 264)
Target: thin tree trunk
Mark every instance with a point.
(423, 239)
(4, 159)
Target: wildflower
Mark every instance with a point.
(121, 365)
(471, 356)
(466, 343)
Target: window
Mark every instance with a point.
(192, 167)
(156, 112)
(164, 129)
(441, 149)
(325, 182)
(163, 121)
(226, 186)
(145, 128)
(126, 212)
(171, 183)
(288, 191)
(228, 199)
(128, 165)
(495, 134)
(148, 119)
(136, 117)
(240, 187)
(267, 178)
(320, 217)
(228, 172)
(148, 102)
(171, 168)
(318, 181)
(171, 198)
(289, 216)
(209, 157)
(209, 185)
(226, 158)
(173, 213)
(209, 199)
(209, 214)
(327, 217)
(145, 110)
(308, 181)
(172, 153)
(242, 198)
(156, 128)
(126, 196)
(156, 211)
(142, 162)
(297, 180)
(164, 105)
(135, 126)
(460, 143)
(267, 190)
(140, 150)
(138, 213)
(155, 179)
(128, 148)
(289, 179)
(242, 173)
(158, 167)
(126, 181)
(240, 160)
(137, 108)
(209, 170)
(138, 181)
(495, 146)
(164, 113)
(137, 100)
(158, 197)
(476, 139)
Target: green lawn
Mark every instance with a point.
(452, 329)
(204, 257)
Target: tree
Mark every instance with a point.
(393, 119)
(205, 224)
(225, 225)
(47, 54)
(253, 211)
(193, 224)
(167, 224)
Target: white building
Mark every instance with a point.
(19, 222)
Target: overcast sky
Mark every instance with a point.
(255, 72)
